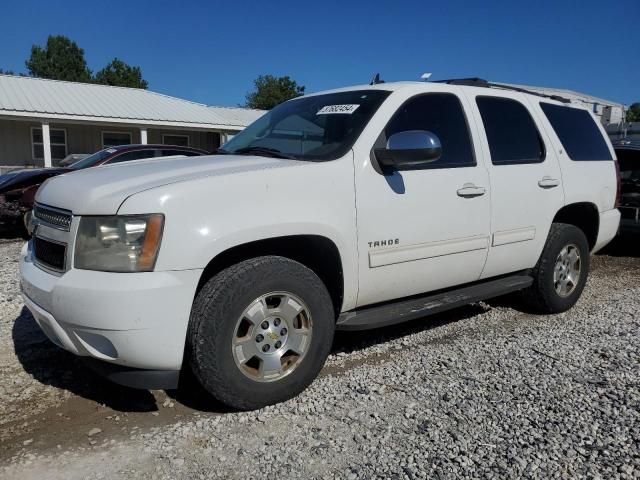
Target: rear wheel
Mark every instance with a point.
(260, 332)
(561, 272)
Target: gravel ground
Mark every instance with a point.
(485, 391)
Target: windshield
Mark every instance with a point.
(320, 127)
(91, 160)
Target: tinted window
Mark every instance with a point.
(577, 132)
(135, 155)
(442, 114)
(511, 132)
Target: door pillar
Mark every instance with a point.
(46, 144)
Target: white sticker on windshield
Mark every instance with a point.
(338, 109)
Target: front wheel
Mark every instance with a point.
(260, 331)
(561, 272)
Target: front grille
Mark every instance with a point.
(50, 254)
(55, 217)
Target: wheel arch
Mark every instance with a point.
(583, 215)
(318, 253)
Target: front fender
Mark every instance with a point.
(207, 216)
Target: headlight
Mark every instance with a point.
(118, 243)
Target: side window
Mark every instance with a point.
(577, 132)
(441, 114)
(511, 132)
(135, 155)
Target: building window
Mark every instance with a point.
(113, 139)
(179, 140)
(58, 139)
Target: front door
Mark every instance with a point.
(424, 228)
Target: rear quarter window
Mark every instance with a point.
(578, 133)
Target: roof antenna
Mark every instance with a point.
(376, 80)
(425, 76)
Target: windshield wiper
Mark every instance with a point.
(266, 151)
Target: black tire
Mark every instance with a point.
(212, 326)
(542, 295)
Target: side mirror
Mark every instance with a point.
(408, 149)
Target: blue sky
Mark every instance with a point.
(210, 51)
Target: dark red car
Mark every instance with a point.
(18, 188)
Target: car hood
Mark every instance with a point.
(20, 179)
(101, 190)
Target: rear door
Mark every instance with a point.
(525, 177)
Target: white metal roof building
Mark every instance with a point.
(32, 109)
(609, 112)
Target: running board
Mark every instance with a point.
(409, 309)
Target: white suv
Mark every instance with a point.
(348, 209)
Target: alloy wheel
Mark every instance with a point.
(272, 336)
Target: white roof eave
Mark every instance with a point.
(10, 114)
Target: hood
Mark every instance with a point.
(27, 177)
(101, 190)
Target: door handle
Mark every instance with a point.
(469, 190)
(548, 182)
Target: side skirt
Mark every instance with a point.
(417, 307)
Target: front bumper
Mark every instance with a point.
(129, 320)
(135, 377)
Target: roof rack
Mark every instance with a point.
(480, 82)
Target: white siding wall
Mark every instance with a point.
(15, 139)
